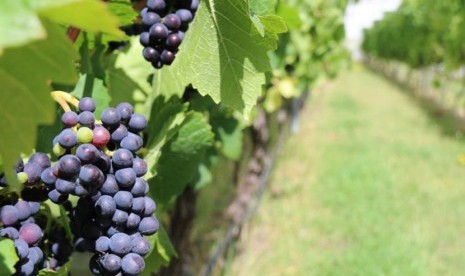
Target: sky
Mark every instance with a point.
(362, 15)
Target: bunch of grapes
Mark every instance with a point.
(20, 225)
(98, 164)
(165, 26)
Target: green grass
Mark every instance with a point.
(370, 186)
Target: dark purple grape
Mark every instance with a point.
(139, 166)
(67, 138)
(69, 118)
(125, 177)
(94, 265)
(173, 41)
(122, 158)
(86, 119)
(64, 186)
(185, 16)
(27, 268)
(137, 123)
(35, 193)
(143, 11)
(158, 31)
(133, 221)
(132, 142)
(22, 249)
(110, 262)
(35, 207)
(109, 187)
(57, 197)
(138, 205)
(91, 175)
(110, 117)
(87, 153)
(150, 18)
(104, 222)
(19, 165)
(123, 200)
(148, 226)
(118, 134)
(132, 264)
(102, 244)
(120, 244)
(144, 39)
(120, 217)
(86, 104)
(140, 246)
(156, 5)
(30, 233)
(81, 191)
(33, 172)
(194, 5)
(35, 254)
(69, 166)
(91, 230)
(9, 215)
(103, 163)
(53, 264)
(9, 232)
(48, 177)
(158, 64)
(40, 159)
(149, 206)
(139, 188)
(150, 54)
(105, 206)
(167, 57)
(172, 22)
(24, 210)
(83, 245)
(125, 110)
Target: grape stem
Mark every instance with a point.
(64, 99)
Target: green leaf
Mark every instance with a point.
(223, 55)
(123, 10)
(162, 252)
(262, 7)
(89, 86)
(26, 102)
(89, 15)
(8, 257)
(180, 158)
(290, 15)
(26, 25)
(228, 131)
(128, 74)
(165, 118)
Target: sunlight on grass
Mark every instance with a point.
(370, 186)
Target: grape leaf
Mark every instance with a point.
(20, 23)
(123, 10)
(25, 73)
(8, 257)
(127, 76)
(262, 7)
(180, 158)
(161, 254)
(26, 25)
(89, 15)
(223, 55)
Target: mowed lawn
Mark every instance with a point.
(370, 186)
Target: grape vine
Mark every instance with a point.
(97, 163)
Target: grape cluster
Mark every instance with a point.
(98, 164)
(165, 26)
(20, 226)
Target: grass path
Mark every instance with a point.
(370, 186)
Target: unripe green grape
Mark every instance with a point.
(22, 177)
(85, 135)
(58, 150)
